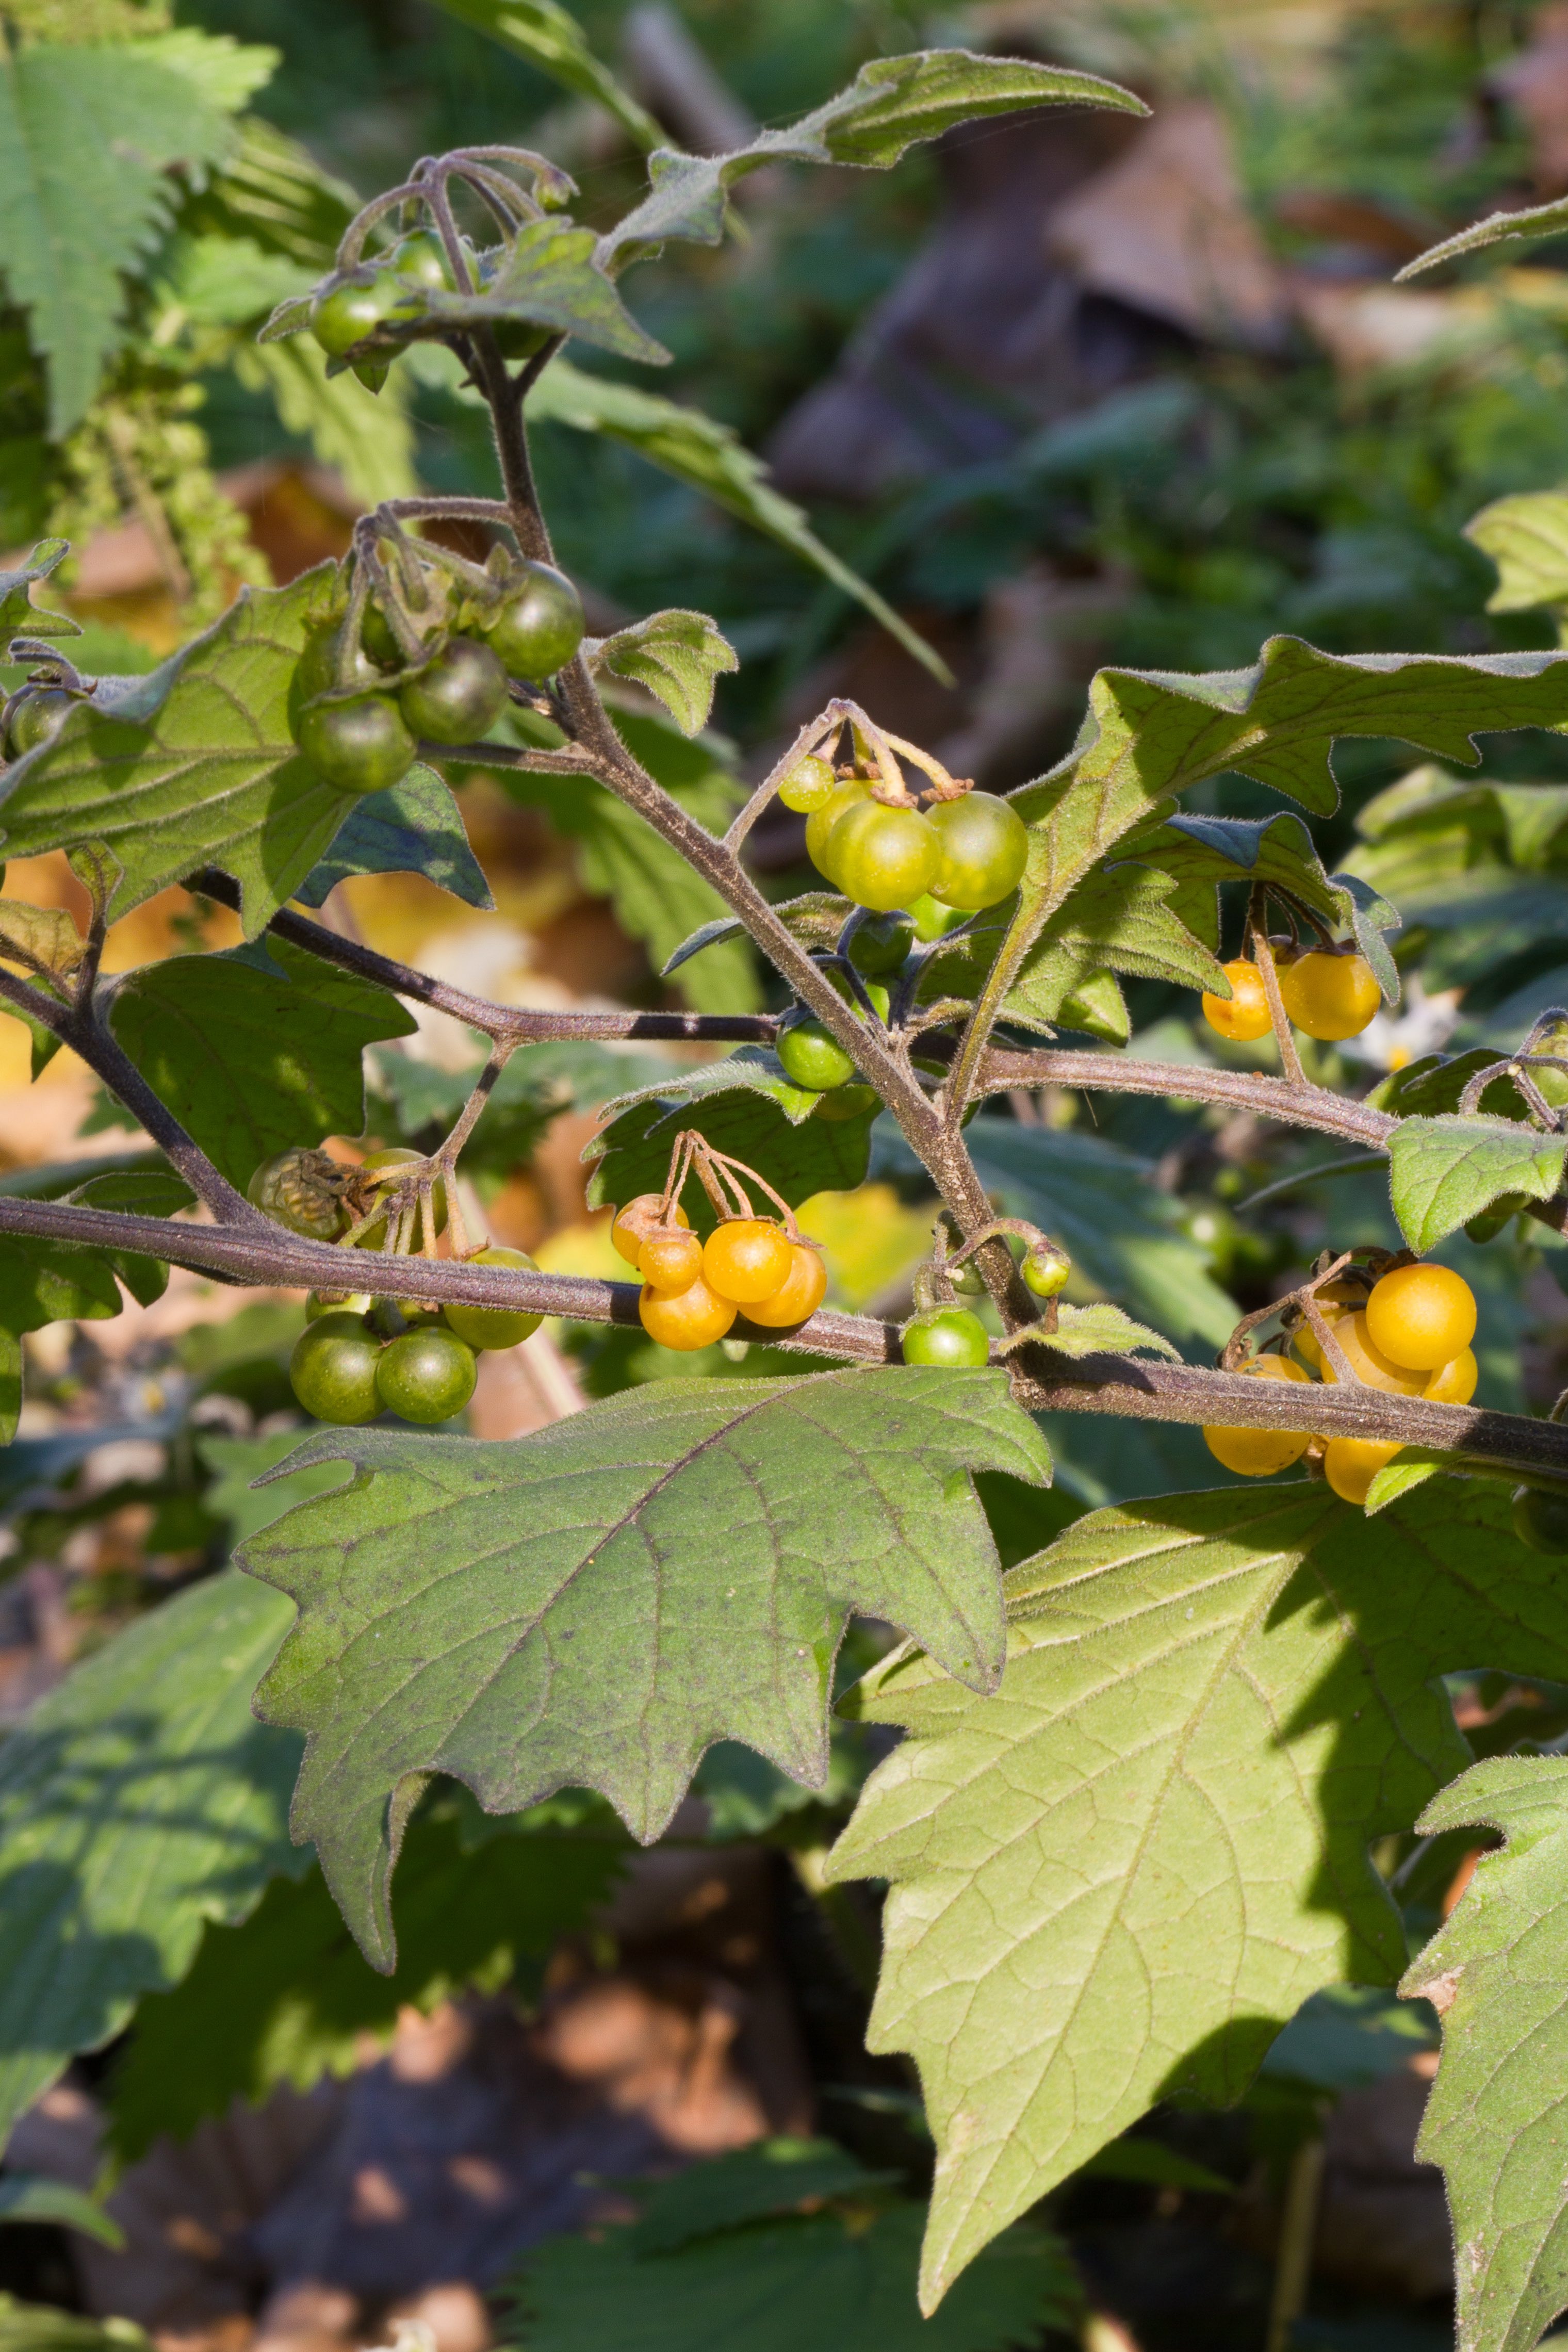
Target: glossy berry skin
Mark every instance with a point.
(820, 823)
(847, 1102)
(342, 315)
(1422, 1315)
(458, 697)
(882, 857)
(33, 715)
(327, 663)
(1455, 1381)
(1045, 1271)
(397, 1156)
(809, 782)
(880, 946)
(1541, 1519)
(427, 1375)
(984, 848)
(931, 919)
(421, 257)
(633, 1223)
(812, 1055)
(495, 1326)
(1350, 1463)
(1260, 1452)
(1243, 1015)
(948, 1335)
(356, 747)
(1368, 1362)
(333, 1369)
(800, 1294)
(670, 1260)
(746, 1259)
(539, 626)
(1330, 996)
(691, 1318)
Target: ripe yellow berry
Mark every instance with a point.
(800, 1294)
(1258, 1453)
(1350, 1463)
(1330, 996)
(1368, 1362)
(746, 1259)
(669, 1261)
(691, 1318)
(1422, 1315)
(636, 1221)
(1455, 1381)
(1243, 1014)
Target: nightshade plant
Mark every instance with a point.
(1127, 1830)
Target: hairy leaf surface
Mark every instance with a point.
(1443, 1171)
(1535, 221)
(1526, 535)
(138, 1799)
(1117, 1879)
(192, 765)
(256, 1048)
(1498, 1973)
(412, 827)
(19, 616)
(595, 1605)
(676, 656)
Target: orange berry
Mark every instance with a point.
(1330, 996)
(1350, 1463)
(670, 1261)
(800, 1294)
(636, 1221)
(1244, 1014)
(1455, 1381)
(691, 1319)
(1422, 1315)
(746, 1259)
(1336, 1302)
(1258, 1453)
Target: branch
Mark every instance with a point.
(1253, 1090)
(523, 1026)
(1126, 1386)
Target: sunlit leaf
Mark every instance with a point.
(1443, 1172)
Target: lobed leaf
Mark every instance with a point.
(33, 936)
(553, 278)
(138, 1799)
(192, 765)
(892, 105)
(676, 656)
(1102, 1329)
(255, 1048)
(19, 616)
(595, 1605)
(1526, 535)
(1443, 1171)
(1115, 1881)
(1497, 1973)
(412, 827)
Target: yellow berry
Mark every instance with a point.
(1422, 1315)
(1368, 1362)
(1243, 1014)
(799, 1295)
(1350, 1463)
(1258, 1453)
(1455, 1381)
(691, 1318)
(636, 1221)
(1330, 996)
(746, 1259)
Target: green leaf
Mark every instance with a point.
(136, 1192)
(815, 918)
(1535, 221)
(551, 278)
(1102, 1329)
(711, 457)
(368, 437)
(676, 656)
(1526, 536)
(82, 205)
(844, 2277)
(273, 190)
(226, 71)
(285, 1997)
(45, 1282)
(892, 104)
(192, 765)
(1443, 1172)
(412, 827)
(771, 2177)
(1082, 1922)
(28, 2197)
(41, 2328)
(1399, 1477)
(1497, 1973)
(138, 1799)
(236, 1462)
(1102, 1204)
(545, 35)
(746, 1107)
(595, 1605)
(1116, 920)
(19, 616)
(255, 1049)
(32, 935)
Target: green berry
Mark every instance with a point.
(946, 1335)
(1044, 1270)
(495, 1326)
(333, 1369)
(811, 1056)
(425, 1375)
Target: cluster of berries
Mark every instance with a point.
(359, 706)
(1408, 1334)
(387, 293)
(964, 851)
(693, 1290)
(1327, 993)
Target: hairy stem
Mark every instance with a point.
(1034, 905)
